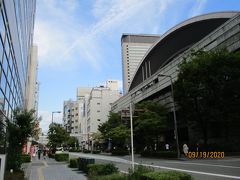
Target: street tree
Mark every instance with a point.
(149, 123)
(114, 120)
(57, 135)
(207, 93)
(120, 135)
(19, 131)
(72, 141)
(115, 130)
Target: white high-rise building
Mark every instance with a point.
(99, 104)
(134, 47)
(82, 117)
(82, 97)
(74, 114)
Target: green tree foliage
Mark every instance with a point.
(71, 141)
(18, 133)
(25, 121)
(57, 135)
(115, 129)
(119, 135)
(114, 120)
(149, 124)
(2, 135)
(207, 92)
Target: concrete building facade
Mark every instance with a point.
(210, 31)
(16, 37)
(205, 32)
(71, 117)
(134, 47)
(32, 84)
(82, 117)
(82, 98)
(99, 105)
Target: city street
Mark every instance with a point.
(212, 169)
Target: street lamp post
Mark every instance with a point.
(174, 113)
(53, 113)
(131, 123)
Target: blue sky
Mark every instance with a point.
(79, 40)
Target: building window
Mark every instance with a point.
(98, 103)
(98, 119)
(2, 27)
(98, 110)
(1, 101)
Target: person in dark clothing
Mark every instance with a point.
(44, 153)
(39, 153)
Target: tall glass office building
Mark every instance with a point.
(16, 37)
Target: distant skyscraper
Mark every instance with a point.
(134, 47)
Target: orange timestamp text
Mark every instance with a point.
(204, 154)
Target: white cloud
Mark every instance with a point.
(51, 42)
(47, 119)
(115, 17)
(62, 35)
(197, 8)
(55, 30)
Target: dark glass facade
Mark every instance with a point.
(16, 36)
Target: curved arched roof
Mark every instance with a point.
(177, 40)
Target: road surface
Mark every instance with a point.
(210, 169)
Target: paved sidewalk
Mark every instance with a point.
(49, 169)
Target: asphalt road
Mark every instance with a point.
(210, 169)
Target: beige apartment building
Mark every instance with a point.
(82, 97)
(71, 117)
(82, 117)
(99, 104)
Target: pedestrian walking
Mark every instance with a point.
(185, 149)
(39, 154)
(44, 153)
(167, 146)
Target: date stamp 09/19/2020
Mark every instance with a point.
(204, 155)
